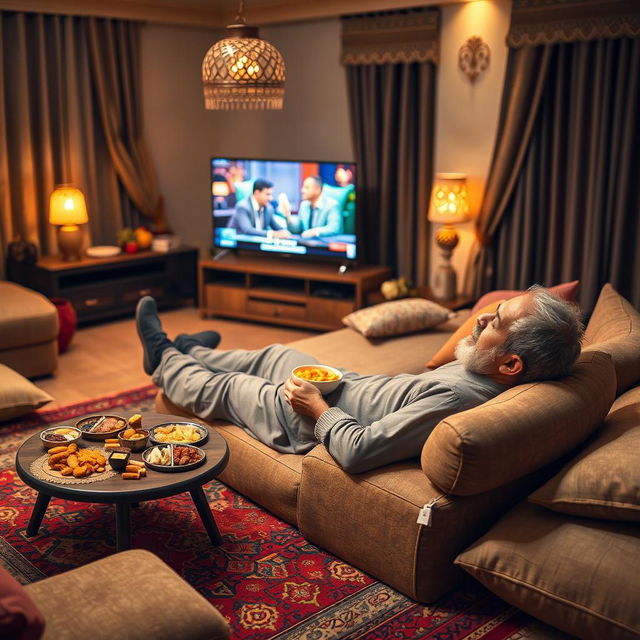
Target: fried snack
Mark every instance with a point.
(130, 476)
(100, 469)
(127, 433)
(72, 461)
(59, 467)
(73, 447)
(80, 472)
(177, 433)
(135, 421)
(67, 471)
(111, 446)
(137, 463)
(57, 450)
(142, 472)
(111, 441)
(316, 374)
(131, 468)
(57, 457)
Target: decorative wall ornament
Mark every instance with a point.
(473, 57)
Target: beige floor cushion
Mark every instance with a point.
(582, 576)
(603, 481)
(614, 328)
(18, 395)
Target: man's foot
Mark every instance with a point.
(154, 339)
(184, 342)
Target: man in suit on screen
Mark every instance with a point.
(319, 215)
(254, 215)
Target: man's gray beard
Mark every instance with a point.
(473, 359)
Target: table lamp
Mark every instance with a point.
(67, 210)
(449, 205)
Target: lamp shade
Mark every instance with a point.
(242, 71)
(67, 206)
(449, 201)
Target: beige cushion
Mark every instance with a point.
(582, 576)
(400, 354)
(131, 595)
(603, 481)
(26, 317)
(397, 317)
(275, 486)
(519, 431)
(614, 327)
(18, 395)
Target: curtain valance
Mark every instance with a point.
(536, 22)
(399, 36)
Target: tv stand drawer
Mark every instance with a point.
(276, 308)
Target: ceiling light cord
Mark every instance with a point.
(240, 19)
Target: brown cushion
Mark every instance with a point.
(18, 395)
(519, 431)
(614, 327)
(26, 317)
(397, 317)
(603, 481)
(447, 352)
(20, 618)
(132, 595)
(566, 291)
(582, 576)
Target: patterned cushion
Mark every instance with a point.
(397, 317)
(17, 395)
(603, 481)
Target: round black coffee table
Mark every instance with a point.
(125, 493)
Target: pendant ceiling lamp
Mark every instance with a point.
(243, 71)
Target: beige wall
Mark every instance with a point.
(467, 114)
(315, 121)
(182, 135)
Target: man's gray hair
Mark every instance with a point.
(548, 340)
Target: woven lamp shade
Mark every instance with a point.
(243, 72)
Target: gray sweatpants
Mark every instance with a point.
(243, 387)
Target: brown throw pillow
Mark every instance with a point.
(19, 616)
(614, 327)
(578, 575)
(603, 481)
(18, 395)
(447, 351)
(397, 317)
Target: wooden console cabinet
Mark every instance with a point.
(102, 288)
(288, 292)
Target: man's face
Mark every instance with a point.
(263, 197)
(481, 352)
(310, 189)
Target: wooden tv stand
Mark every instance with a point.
(288, 292)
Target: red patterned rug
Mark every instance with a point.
(266, 579)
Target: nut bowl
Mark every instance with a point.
(59, 436)
(136, 441)
(324, 378)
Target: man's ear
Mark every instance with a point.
(511, 365)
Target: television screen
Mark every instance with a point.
(284, 207)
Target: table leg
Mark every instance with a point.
(39, 508)
(123, 527)
(200, 500)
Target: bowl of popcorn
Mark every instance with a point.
(324, 378)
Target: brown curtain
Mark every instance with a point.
(390, 66)
(51, 131)
(562, 195)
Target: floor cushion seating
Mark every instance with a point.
(18, 395)
(132, 595)
(28, 331)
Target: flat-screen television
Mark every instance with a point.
(284, 207)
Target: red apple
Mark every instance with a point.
(131, 247)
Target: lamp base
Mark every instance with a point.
(444, 284)
(70, 242)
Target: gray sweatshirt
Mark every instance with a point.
(395, 415)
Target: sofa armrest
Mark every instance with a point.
(132, 595)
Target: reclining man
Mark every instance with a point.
(369, 420)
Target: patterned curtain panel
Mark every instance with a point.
(391, 77)
(53, 125)
(562, 195)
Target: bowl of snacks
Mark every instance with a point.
(99, 428)
(134, 439)
(174, 457)
(324, 378)
(179, 433)
(59, 436)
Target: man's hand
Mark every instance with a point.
(304, 398)
(281, 233)
(309, 233)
